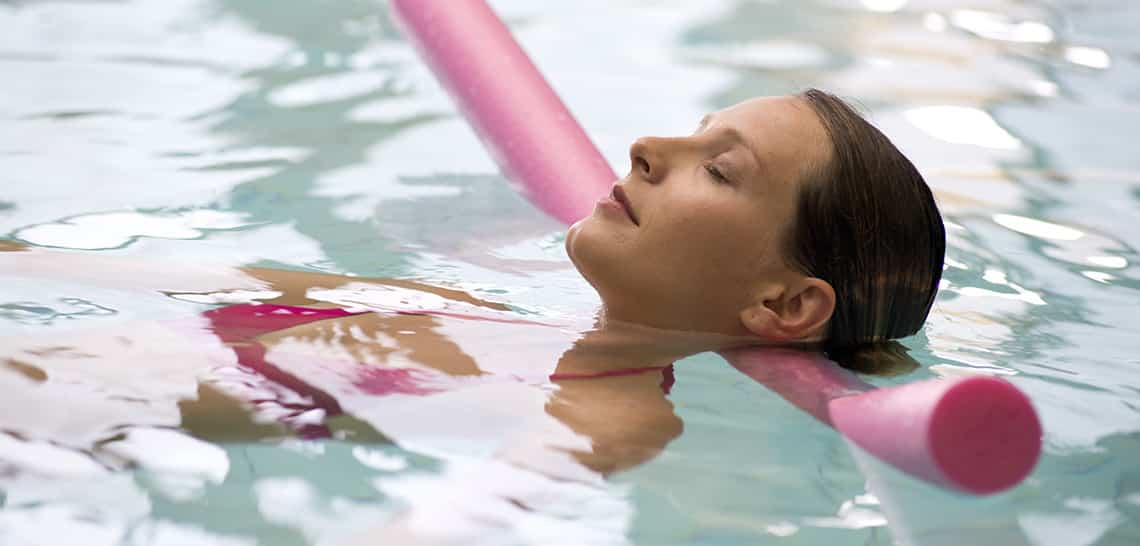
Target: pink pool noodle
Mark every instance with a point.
(522, 122)
(978, 435)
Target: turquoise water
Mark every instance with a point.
(197, 135)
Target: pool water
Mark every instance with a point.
(183, 138)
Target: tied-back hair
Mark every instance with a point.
(867, 223)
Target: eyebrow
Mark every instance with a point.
(734, 133)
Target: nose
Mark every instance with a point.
(646, 159)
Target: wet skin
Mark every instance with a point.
(701, 247)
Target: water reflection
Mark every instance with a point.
(996, 26)
(1079, 248)
(886, 6)
(406, 362)
(961, 125)
(1037, 228)
(101, 231)
(1092, 57)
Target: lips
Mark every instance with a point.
(618, 194)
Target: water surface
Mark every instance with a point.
(212, 134)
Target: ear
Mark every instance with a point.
(798, 310)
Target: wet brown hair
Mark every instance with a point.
(866, 222)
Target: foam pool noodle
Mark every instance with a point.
(977, 435)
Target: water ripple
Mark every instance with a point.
(45, 314)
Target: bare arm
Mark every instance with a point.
(98, 269)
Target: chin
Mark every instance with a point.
(591, 251)
(598, 254)
(571, 239)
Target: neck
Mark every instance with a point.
(615, 345)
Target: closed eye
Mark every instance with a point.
(716, 174)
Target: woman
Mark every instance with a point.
(781, 219)
(786, 220)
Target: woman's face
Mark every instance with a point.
(693, 234)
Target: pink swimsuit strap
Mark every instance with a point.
(667, 377)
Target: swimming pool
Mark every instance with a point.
(308, 136)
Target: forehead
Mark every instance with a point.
(784, 132)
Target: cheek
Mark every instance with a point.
(712, 242)
(709, 250)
